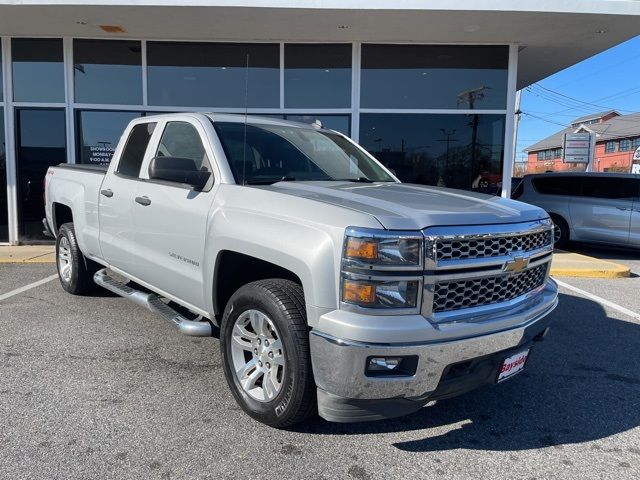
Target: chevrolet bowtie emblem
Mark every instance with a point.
(516, 265)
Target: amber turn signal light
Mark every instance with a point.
(361, 248)
(358, 293)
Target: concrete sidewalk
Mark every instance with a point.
(28, 254)
(565, 264)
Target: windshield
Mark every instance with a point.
(274, 153)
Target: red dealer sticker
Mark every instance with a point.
(512, 365)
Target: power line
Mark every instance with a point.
(570, 98)
(578, 105)
(544, 119)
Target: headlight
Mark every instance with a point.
(380, 293)
(382, 271)
(370, 248)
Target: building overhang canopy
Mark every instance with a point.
(552, 35)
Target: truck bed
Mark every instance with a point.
(99, 169)
(78, 187)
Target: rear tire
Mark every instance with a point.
(75, 271)
(264, 341)
(560, 232)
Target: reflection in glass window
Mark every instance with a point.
(340, 123)
(317, 75)
(99, 133)
(107, 71)
(38, 70)
(4, 219)
(456, 151)
(213, 74)
(434, 76)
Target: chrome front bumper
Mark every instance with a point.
(339, 364)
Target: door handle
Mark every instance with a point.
(107, 193)
(144, 201)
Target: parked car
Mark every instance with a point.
(335, 286)
(587, 207)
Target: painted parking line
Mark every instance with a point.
(4, 296)
(600, 300)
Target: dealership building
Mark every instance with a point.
(429, 88)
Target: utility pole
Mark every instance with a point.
(470, 97)
(518, 114)
(448, 140)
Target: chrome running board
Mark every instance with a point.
(154, 303)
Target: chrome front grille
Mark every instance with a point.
(474, 292)
(473, 273)
(490, 246)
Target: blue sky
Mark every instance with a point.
(609, 80)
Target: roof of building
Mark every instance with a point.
(593, 116)
(623, 126)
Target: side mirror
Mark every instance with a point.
(178, 170)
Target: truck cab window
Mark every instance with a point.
(182, 140)
(133, 153)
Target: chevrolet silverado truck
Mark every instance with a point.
(334, 287)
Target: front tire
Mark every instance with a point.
(560, 232)
(264, 341)
(74, 270)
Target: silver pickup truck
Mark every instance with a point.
(335, 287)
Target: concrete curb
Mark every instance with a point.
(567, 264)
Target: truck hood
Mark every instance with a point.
(402, 206)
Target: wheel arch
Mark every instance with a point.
(234, 269)
(61, 213)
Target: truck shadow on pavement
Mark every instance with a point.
(581, 384)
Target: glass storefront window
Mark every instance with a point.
(40, 143)
(4, 213)
(317, 75)
(38, 70)
(107, 71)
(456, 151)
(213, 74)
(434, 76)
(98, 133)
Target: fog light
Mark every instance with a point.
(384, 363)
(391, 366)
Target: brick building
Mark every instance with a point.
(617, 137)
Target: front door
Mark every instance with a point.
(171, 218)
(602, 212)
(40, 144)
(116, 204)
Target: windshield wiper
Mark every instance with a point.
(269, 181)
(357, 180)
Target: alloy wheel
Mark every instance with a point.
(65, 266)
(258, 355)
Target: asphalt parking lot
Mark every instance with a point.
(96, 387)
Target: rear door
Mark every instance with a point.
(602, 211)
(171, 222)
(116, 204)
(634, 233)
